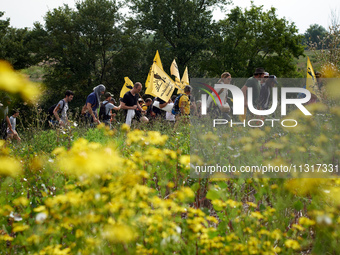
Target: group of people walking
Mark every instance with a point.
(132, 104)
(135, 107)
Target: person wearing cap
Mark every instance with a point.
(13, 134)
(109, 106)
(265, 77)
(92, 103)
(265, 92)
(145, 107)
(254, 83)
(142, 103)
(4, 119)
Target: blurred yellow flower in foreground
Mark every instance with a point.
(88, 159)
(14, 82)
(119, 233)
(292, 244)
(9, 166)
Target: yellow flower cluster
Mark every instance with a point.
(8, 165)
(146, 138)
(14, 82)
(88, 159)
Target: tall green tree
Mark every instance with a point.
(15, 45)
(314, 35)
(250, 38)
(4, 24)
(185, 26)
(79, 45)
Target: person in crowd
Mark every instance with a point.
(265, 77)
(141, 102)
(223, 93)
(184, 101)
(109, 105)
(254, 83)
(169, 117)
(266, 92)
(92, 104)
(62, 108)
(4, 119)
(129, 102)
(138, 112)
(12, 133)
(149, 108)
(159, 113)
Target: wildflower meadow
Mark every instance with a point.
(131, 190)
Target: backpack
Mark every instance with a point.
(51, 109)
(175, 109)
(102, 112)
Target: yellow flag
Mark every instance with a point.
(175, 71)
(184, 81)
(157, 60)
(311, 83)
(185, 77)
(161, 85)
(128, 85)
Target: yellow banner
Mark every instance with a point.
(161, 85)
(185, 77)
(311, 82)
(174, 71)
(184, 82)
(157, 60)
(128, 85)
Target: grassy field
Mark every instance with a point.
(81, 190)
(302, 62)
(100, 191)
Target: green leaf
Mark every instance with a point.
(195, 187)
(222, 185)
(213, 194)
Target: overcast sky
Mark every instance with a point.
(23, 13)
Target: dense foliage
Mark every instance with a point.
(95, 43)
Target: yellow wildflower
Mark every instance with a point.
(119, 233)
(14, 82)
(306, 222)
(298, 227)
(185, 161)
(256, 215)
(292, 244)
(9, 166)
(20, 227)
(21, 201)
(6, 238)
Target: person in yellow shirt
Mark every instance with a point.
(184, 101)
(184, 106)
